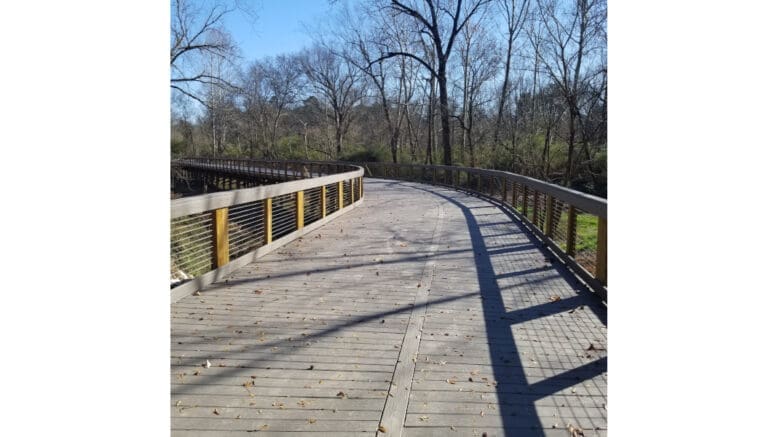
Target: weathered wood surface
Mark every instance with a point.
(426, 310)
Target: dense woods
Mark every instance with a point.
(518, 85)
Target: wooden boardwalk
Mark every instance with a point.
(423, 312)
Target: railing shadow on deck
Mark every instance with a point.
(499, 326)
(516, 397)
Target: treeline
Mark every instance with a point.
(518, 85)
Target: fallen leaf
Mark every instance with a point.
(382, 429)
(341, 395)
(302, 403)
(197, 373)
(207, 364)
(423, 418)
(555, 298)
(311, 367)
(257, 291)
(311, 420)
(450, 381)
(575, 431)
(482, 414)
(216, 412)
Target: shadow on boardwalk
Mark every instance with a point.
(516, 395)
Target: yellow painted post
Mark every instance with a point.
(268, 221)
(361, 187)
(221, 236)
(549, 215)
(340, 195)
(352, 189)
(323, 201)
(300, 209)
(571, 231)
(601, 251)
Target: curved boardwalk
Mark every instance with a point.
(425, 311)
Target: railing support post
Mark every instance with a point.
(504, 189)
(549, 215)
(323, 201)
(525, 207)
(515, 197)
(268, 221)
(601, 251)
(352, 189)
(571, 231)
(361, 187)
(340, 195)
(300, 209)
(221, 237)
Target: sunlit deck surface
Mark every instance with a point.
(425, 311)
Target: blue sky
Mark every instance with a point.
(278, 28)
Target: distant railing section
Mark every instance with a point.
(573, 224)
(209, 231)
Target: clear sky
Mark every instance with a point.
(279, 26)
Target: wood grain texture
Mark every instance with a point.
(383, 315)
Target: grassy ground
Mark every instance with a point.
(587, 235)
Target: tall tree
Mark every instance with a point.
(338, 82)
(569, 31)
(195, 36)
(514, 13)
(439, 21)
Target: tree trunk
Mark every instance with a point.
(444, 118)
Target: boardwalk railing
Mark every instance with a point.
(211, 235)
(571, 223)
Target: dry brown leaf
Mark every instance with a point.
(555, 298)
(216, 412)
(382, 429)
(258, 292)
(423, 418)
(482, 414)
(575, 431)
(341, 395)
(302, 403)
(311, 420)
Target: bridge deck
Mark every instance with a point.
(425, 311)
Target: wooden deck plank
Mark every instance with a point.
(350, 319)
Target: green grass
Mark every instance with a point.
(586, 229)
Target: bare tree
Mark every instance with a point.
(479, 63)
(569, 30)
(196, 35)
(338, 82)
(514, 13)
(440, 22)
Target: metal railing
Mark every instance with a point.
(213, 234)
(571, 223)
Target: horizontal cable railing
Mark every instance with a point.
(209, 231)
(573, 224)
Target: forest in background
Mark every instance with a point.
(516, 85)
